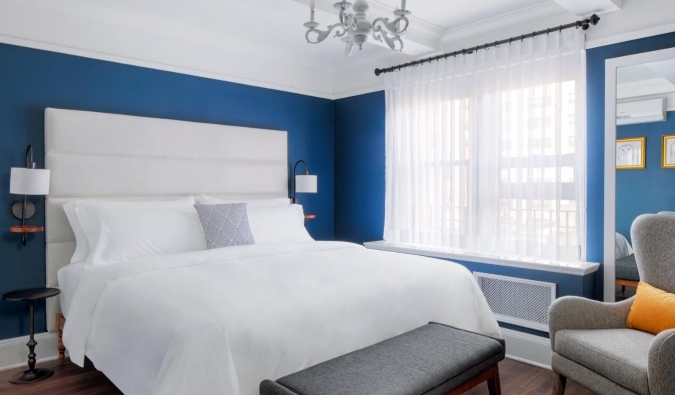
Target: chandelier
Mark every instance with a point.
(354, 28)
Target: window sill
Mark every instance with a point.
(574, 268)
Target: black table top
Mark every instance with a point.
(27, 295)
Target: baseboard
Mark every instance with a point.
(14, 352)
(522, 347)
(527, 348)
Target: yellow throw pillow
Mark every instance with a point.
(653, 310)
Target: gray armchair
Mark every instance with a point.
(590, 342)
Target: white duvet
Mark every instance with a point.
(221, 321)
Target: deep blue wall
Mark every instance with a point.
(595, 72)
(31, 80)
(648, 190)
(359, 168)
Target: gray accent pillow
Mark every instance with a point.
(225, 225)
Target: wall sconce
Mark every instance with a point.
(27, 181)
(304, 183)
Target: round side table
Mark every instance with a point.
(31, 375)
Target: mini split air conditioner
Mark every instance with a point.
(642, 111)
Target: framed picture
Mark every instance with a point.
(630, 153)
(668, 155)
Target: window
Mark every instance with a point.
(481, 165)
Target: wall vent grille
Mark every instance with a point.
(516, 301)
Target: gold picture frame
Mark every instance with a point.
(668, 151)
(630, 153)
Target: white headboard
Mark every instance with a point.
(97, 155)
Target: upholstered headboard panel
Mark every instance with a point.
(97, 155)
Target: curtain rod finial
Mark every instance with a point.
(378, 72)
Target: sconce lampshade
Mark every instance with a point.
(306, 184)
(29, 181)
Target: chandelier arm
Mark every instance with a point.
(321, 35)
(391, 41)
(380, 24)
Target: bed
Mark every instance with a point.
(220, 321)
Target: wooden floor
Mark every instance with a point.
(517, 379)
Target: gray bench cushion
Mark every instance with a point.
(626, 268)
(429, 360)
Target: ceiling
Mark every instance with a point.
(262, 42)
(448, 14)
(278, 23)
(647, 80)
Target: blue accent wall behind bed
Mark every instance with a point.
(31, 80)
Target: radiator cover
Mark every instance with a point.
(517, 301)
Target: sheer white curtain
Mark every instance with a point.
(486, 152)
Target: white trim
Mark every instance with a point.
(157, 66)
(634, 35)
(527, 14)
(530, 349)
(14, 352)
(520, 346)
(574, 268)
(611, 65)
(358, 92)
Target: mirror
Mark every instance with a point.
(644, 155)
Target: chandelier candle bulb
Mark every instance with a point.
(312, 4)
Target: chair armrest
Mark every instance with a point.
(572, 312)
(662, 364)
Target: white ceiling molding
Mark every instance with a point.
(583, 8)
(517, 17)
(167, 47)
(648, 89)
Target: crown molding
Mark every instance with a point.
(504, 20)
(159, 66)
(630, 36)
(418, 26)
(656, 86)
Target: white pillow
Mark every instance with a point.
(622, 247)
(250, 203)
(81, 242)
(122, 233)
(278, 224)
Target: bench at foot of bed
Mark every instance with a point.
(432, 360)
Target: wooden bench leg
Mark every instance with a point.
(559, 383)
(60, 323)
(494, 386)
(491, 375)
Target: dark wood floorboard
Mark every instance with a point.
(516, 379)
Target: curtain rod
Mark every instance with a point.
(584, 24)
